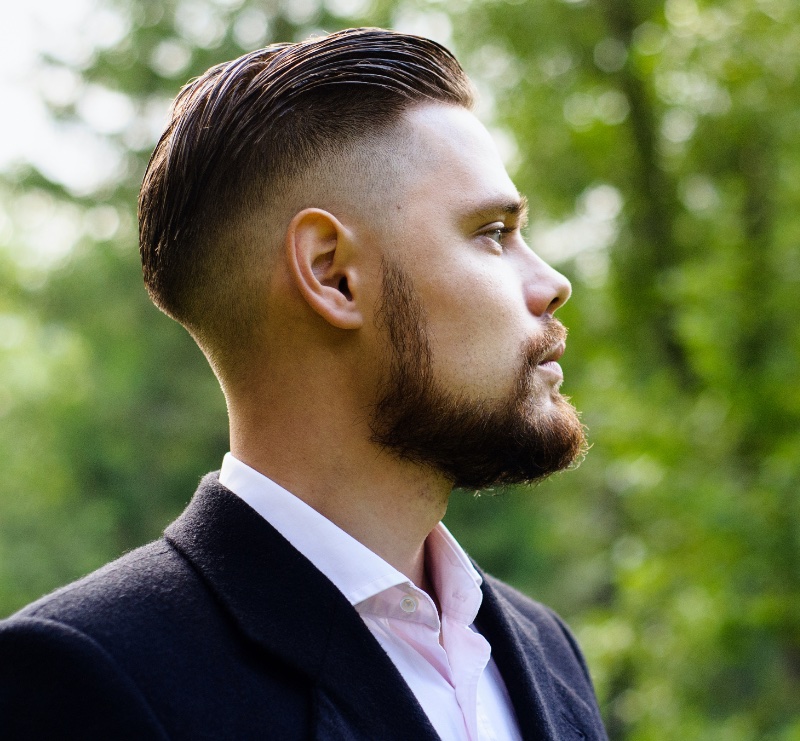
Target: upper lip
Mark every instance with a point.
(554, 353)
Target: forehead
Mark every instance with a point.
(456, 164)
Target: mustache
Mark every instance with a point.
(549, 345)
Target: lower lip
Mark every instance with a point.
(551, 368)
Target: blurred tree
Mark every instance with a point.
(656, 142)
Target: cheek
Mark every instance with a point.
(481, 304)
(476, 333)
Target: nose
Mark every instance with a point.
(545, 288)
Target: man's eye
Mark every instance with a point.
(498, 235)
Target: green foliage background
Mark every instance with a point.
(657, 143)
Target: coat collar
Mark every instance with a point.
(281, 602)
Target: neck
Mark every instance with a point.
(388, 505)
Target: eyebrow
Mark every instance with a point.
(517, 208)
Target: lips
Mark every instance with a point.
(554, 353)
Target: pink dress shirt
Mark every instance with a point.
(446, 662)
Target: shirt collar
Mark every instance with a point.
(455, 579)
(353, 568)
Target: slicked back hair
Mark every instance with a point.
(242, 131)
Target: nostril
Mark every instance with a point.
(563, 292)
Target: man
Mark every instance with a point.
(337, 232)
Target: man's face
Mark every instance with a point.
(472, 386)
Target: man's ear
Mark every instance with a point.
(320, 258)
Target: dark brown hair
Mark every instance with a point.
(246, 127)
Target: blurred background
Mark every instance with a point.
(657, 142)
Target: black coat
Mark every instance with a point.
(223, 630)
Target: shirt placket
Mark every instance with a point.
(468, 653)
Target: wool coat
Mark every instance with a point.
(223, 630)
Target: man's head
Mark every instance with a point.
(339, 234)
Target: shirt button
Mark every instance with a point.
(408, 604)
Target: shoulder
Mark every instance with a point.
(57, 682)
(58, 674)
(150, 608)
(76, 655)
(120, 593)
(145, 643)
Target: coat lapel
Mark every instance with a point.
(280, 601)
(547, 707)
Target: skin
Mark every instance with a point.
(301, 414)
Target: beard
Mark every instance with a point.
(474, 443)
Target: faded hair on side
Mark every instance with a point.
(241, 132)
